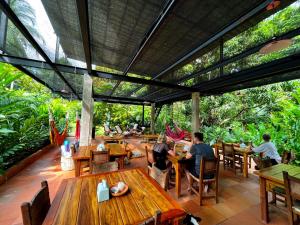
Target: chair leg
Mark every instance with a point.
(274, 197)
(200, 193)
(224, 162)
(234, 166)
(217, 192)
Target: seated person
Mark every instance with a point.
(197, 151)
(160, 151)
(268, 149)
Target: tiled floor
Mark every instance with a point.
(238, 202)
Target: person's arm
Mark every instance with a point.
(259, 149)
(169, 150)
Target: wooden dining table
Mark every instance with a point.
(269, 178)
(76, 201)
(83, 155)
(245, 152)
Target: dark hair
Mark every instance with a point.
(199, 136)
(266, 137)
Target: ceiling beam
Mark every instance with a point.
(153, 29)
(121, 99)
(223, 84)
(279, 66)
(13, 17)
(27, 72)
(81, 71)
(83, 14)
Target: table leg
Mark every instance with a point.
(178, 179)
(264, 210)
(245, 169)
(77, 167)
(121, 162)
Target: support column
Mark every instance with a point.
(87, 111)
(143, 116)
(195, 112)
(152, 123)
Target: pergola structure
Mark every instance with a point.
(139, 47)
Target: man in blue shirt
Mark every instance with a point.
(198, 150)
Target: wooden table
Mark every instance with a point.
(83, 155)
(270, 177)
(76, 201)
(148, 137)
(245, 152)
(115, 138)
(177, 163)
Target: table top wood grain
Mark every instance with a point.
(76, 201)
(274, 173)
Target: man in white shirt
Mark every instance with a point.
(268, 149)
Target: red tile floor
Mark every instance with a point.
(238, 201)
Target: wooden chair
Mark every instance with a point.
(160, 176)
(230, 158)
(34, 212)
(154, 220)
(99, 162)
(292, 187)
(218, 150)
(207, 167)
(150, 157)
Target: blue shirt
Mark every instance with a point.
(198, 151)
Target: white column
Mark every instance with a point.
(86, 122)
(195, 112)
(152, 122)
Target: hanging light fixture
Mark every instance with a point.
(275, 45)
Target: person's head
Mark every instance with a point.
(266, 137)
(198, 137)
(162, 138)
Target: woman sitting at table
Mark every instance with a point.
(160, 152)
(268, 150)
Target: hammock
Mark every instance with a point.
(55, 137)
(77, 130)
(178, 135)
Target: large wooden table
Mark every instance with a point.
(270, 177)
(76, 202)
(83, 155)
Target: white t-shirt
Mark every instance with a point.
(269, 150)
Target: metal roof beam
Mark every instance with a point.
(159, 20)
(83, 14)
(279, 66)
(75, 70)
(13, 17)
(121, 99)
